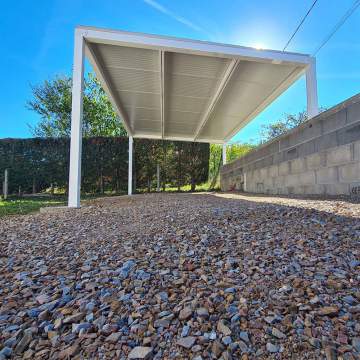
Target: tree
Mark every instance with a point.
(281, 126)
(52, 101)
(233, 152)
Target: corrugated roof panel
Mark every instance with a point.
(250, 85)
(186, 103)
(193, 65)
(175, 87)
(135, 80)
(133, 99)
(129, 57)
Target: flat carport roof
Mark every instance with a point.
(180, 89)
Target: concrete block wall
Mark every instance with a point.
(319, 157)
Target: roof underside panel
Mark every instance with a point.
(174, 94)
(251, 85)
(134, 75)
(190, 81)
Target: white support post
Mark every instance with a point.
(311, 90)
(6, 184)
(76, 121)
(158, 177)
(130, 165)
(224, 154)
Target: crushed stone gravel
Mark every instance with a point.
(183, 276)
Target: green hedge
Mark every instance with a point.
(35, 164)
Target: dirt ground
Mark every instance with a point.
(183, 276)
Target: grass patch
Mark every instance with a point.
(25, 205)
(185, 188)
(15, 205)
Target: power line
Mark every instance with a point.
(301, 22)
(348, 13)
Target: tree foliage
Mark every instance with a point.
(233, 152)
(52, 101)
(281, 126)
(38, 163)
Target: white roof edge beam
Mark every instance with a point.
(216, 96)
(195, 47)
(162, 90)
(178, 138)
(106, 84)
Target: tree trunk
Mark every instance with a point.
(193, 184)
(213, 182)
(34, 186)
(101, 182)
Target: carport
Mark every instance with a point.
(179, 89)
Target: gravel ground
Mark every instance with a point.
(168, 276)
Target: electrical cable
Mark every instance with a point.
(301, 22)
(341, 22)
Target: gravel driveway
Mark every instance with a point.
(183, 276)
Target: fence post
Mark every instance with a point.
(158, 177)
(6, 184)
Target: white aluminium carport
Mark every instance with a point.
(179, 89)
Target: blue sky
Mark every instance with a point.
(37, 44)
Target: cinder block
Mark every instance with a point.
(327, 175)
(314, 189)
(337, 189)
(290, 154)
(349, 134)
(268, 183)
(279, 181)
(326, 141)
(297, 165)
(334, 121)
(284, 168)
(263, 173)
(290, 190)
(305, 178)
(357, 150)
(353, 113)
(307, 148)
(278, 158)
(305, 132)
(349, 173)
(338, 155)
(273, 171)
(314, 161)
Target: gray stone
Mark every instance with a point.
(140, 352)
(113, 338)
(244, 336)
(272, 348)
(185, 331)
(221, 327)
(24, 342)
(356, 343)
(185, 313)
(243, 347)
(277, 333)
(186, 342)
(226, 340)
(5, 352)
(73, 318)
(202, 312)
